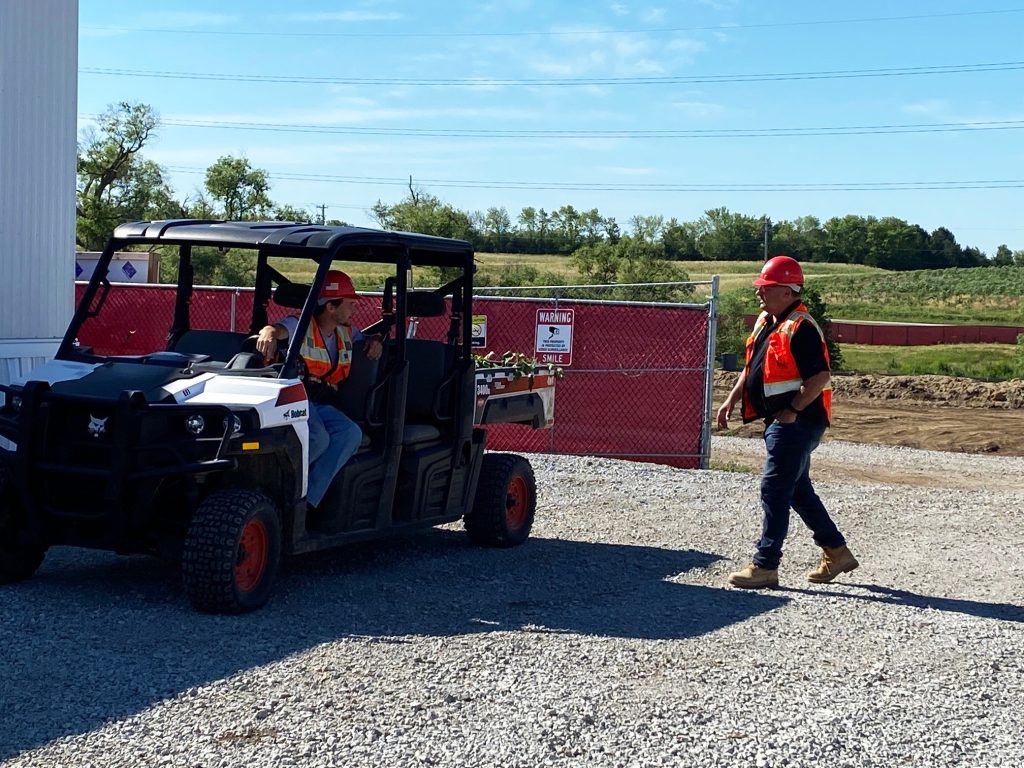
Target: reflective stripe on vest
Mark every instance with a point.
(781, 374)
(318, 359)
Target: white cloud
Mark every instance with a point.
(718, 5)
(619, 9)
(698, 108)
(653, 15)
(687, 47)
(931, 107)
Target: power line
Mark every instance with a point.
(502, 133)
(555, 33)
(839, 74)
(874, 186)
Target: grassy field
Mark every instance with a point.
(992, 295)
(852, 292)
(976, 361)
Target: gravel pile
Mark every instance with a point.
(608, 639)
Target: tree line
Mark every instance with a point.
(117, 184)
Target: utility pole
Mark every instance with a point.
(323, 213)
(767, 226)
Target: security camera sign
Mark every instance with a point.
(554, 336)
(479, 331)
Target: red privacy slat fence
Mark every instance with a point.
(638, 386)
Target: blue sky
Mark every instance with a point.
(667, 108)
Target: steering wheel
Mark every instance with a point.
(249, 346)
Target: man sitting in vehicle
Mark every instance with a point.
(327, 354)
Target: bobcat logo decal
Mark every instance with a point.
(97, 426)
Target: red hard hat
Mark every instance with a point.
(337, 285)
(781, 270)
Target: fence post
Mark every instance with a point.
(709, 376)
(551, 432)
(234, 308)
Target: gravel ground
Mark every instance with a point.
(608, 639)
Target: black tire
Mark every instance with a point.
(232, 552)
(20, 556)
(506, 500)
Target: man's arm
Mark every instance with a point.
(266, 341)
(735, 394)
(809, 391)
(374, 343)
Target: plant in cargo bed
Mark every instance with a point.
(520, 363)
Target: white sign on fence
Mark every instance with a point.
(554, 336)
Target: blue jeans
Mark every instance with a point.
(786, 483)
(333, 438)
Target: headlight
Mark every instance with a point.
(195, 424)
(16, 403)
(236, 423)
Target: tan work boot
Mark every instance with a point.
(834, 561)
(754, 577)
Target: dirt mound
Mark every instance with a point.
(941, 413)
(933, 390)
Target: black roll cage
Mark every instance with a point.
(322, 244)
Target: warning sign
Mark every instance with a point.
(554, 336)
(479, 331)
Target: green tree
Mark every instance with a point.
(844, 240)
(679, 241)
(242, 191)
(726, 236)
(495, 228)
(732, 330)
(945, 251)
(800, 238)
(1003, 257)
(115, 184)
(631, 260)
(567, 227)
(649, 229)
(290, 213)
(819, 311)
(426, 214)
(892, 243)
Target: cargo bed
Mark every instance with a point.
(506, 396)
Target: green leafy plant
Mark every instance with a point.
(520, 363)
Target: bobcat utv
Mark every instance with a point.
(173, 435)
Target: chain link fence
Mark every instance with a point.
(638, 384)
(637, 378)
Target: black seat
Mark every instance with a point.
(354, 392)
(219, 345)
(427, 401)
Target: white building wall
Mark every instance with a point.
(38, 114)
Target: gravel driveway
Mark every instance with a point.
(608, 639)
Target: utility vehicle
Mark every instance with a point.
(198, 447)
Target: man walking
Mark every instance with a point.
(787, 382)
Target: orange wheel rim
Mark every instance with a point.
(252, 556)
(517, 502)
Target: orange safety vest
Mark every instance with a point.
(318, 361)
(781, 374)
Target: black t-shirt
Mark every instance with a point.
(810, 360)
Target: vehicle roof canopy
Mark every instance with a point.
(313, 241)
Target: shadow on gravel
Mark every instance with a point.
(1001, 611)
(94, 638)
